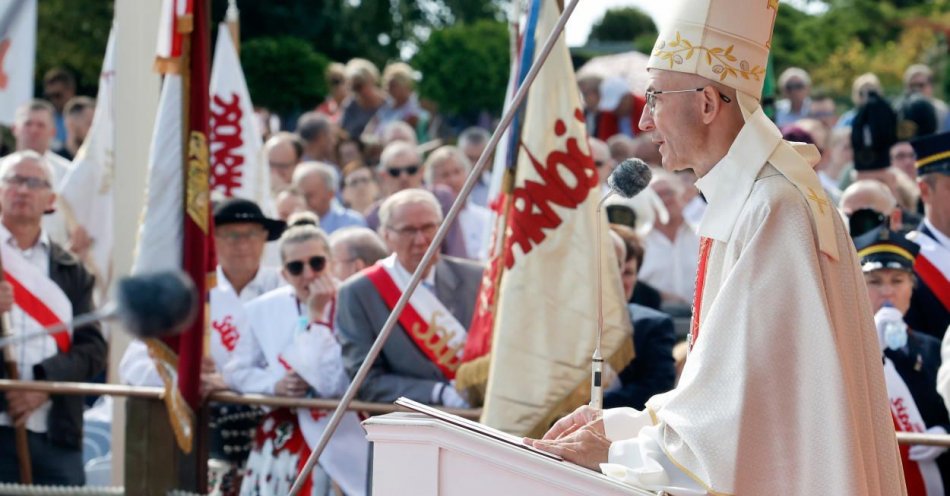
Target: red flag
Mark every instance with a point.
(197, 256)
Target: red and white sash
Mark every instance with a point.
(933, 266)
(434, 329)
(40, 303)
(922, 478)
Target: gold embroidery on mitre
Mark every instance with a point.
(771, 4)
(197, 185)
(720, 59)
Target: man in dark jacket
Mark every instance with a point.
(54, 423)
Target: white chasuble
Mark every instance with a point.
(783, 391)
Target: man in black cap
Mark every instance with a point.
(930, 307)
(240, 233)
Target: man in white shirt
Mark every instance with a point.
(449, 167)
(34, 129)
(671, 249)
(53, 423)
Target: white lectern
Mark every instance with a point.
(423, 456)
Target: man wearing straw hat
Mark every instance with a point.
(783, 389)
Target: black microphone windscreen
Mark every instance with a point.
(630, 177)
(157, 304)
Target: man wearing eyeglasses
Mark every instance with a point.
(783, 389)
(401, 168)
(424, 351)
(53, 423)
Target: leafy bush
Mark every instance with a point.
(465, 67)
(284, 74)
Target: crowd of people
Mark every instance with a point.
(359, 191)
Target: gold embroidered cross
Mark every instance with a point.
(821, 201)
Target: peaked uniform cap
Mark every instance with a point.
(722, 40)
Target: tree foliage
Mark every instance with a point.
(624, 24)
(72, 34)
(283, 74)
(465, 67)
(857, 36)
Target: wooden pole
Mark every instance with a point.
(20, 434)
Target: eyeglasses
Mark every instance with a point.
(336, 82)
(295, 267)
(32, 183)
(794, 86)
(234, 237)
(427, 230)
(651, 96)
(398, 171)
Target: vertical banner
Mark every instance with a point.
(17, 55)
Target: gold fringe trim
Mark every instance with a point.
(472, 378)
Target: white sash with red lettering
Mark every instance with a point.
(434, 329)
(907, 419)
(227, 321)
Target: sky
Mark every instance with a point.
(590, 11)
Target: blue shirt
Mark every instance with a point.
(339, 217)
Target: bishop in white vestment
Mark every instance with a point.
(783, 389)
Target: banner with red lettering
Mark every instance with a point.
(238, 168)
(17, 54)
(542, 324)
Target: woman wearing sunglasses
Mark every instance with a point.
(292, 350)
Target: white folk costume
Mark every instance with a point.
(783, 390)
(280, 338)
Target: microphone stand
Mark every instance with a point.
(597, 360)
(107, 311)
(473, 177)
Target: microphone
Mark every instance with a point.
(628, 179)
(152, 305)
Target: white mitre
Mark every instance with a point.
(723, 40)
(728, 41)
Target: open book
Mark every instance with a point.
(471, 426)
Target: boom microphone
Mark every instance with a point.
(150, 305)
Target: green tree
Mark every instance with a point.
(72, 34)
(283, 74)
(625, 24)
(465, 67)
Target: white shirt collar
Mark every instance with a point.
(42, 242)
(728, 184)
(429, 279)
(939, 236)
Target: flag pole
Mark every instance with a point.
(473, 177)
(233, 19)
(13, 373)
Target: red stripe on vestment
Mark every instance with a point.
(38, 311)
(704, 246)
(410, 320)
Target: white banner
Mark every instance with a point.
(87, 188)
(161, 233)
(238, 168)
(17, 54)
